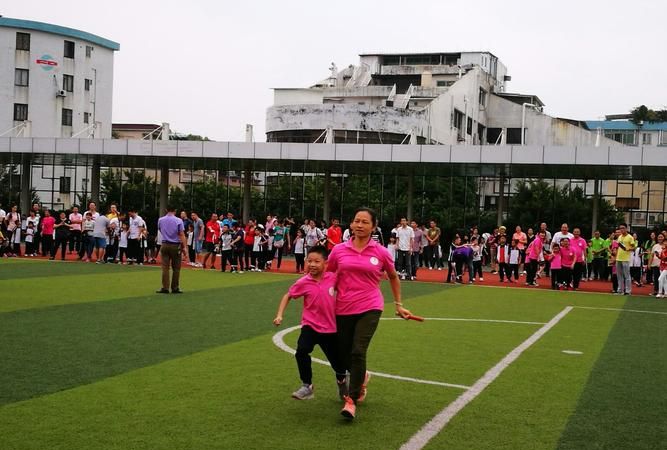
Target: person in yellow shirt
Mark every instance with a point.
(626, 245)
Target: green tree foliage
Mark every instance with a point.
(644, 114)
(537, 201)
(10, 187)
(130, 189)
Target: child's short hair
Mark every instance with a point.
(515, 241)
(556, 246)
(31, 224)
(319, 249)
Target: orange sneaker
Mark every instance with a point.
(364, 387)
(349, 408)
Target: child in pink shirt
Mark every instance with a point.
(318, 321)
(555, 266)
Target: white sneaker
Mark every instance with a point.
(659, 296)
(439, 268)
(481, 279)
(430, 268)
(305, 392)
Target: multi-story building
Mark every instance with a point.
(427, 98)
(54, 81)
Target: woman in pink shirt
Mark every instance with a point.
(568, 258)
(533, 254)
(521, 237)
(48, 227)
(360, 265)
(579, 246)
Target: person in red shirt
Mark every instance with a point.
(334, 235)
(211, 237)
(48, 226)
(248, 241)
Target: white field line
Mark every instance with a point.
(453, 319)
(438, 422)
(623, 310)
(278, 340)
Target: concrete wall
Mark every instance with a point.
(541, 129)
(44, 108)
(297, 96)
(345, 117)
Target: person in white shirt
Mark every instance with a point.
(404, 237)
(92, 209)
(560, 235)
(137, 227)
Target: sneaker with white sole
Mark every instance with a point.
(364, 388)
(305, 392)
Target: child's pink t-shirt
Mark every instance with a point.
(359, 275)
(555, 262)
(319, 301)
(579, 245)
(567, 257)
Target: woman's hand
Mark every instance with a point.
(278, 320)
(402, 312)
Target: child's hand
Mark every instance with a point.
(278, 320)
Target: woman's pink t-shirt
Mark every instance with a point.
(534, 249)
(319, 301)
(359, 274)
(579, 245)
(567, 257)
(47, 225)
(522, 238)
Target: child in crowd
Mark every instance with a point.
(318, 321)
(393, 250)
(30, 239)
(113, 235)
(269, 252)
(190, 240)
(5, 249)
(477, 259)
(258, 250)
(226, 251)
(514, 260)
(122, 242)
(299, 251)
(502, 259)
(636, 263)
(555, 265)
(88, 241)
(238, 248)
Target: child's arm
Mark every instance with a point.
(281, 309)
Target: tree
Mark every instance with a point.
(642, 114)
(10, 187)
(130, 189)
(537, 201)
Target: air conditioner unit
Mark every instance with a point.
(61, 93)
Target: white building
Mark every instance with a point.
(429, 98)
(54, 81)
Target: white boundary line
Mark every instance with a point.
(278, 340)
(453, 319)
(437, 423)
(622, 310)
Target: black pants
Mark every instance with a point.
(531, 271)
(431, 255)
(227, 256)
(257, 260)
(328, 342)
(47, 243)
(237, 259)
(74, 241)
(577, 272)
(403, 262)
(566, 276)
(636, 274)
(655, 273)
(414, 263)
(614, 282)
(247, 250)
(61, 242)
(354, 337)
(110, 252)
(29, 248)
(599, 269)
(477, 269)
(300, 260)
(134, 251)
(279, 254)
(504, 270)
(555, 278)
(514, 268)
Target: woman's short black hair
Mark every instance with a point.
(371, 212)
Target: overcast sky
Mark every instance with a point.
(207, 66)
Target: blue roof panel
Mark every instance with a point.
(57, 29)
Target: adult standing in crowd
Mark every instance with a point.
(360, 265)
(100, 236)
(579, 245)
(433, 238)
(48, 228)
(135, 232)
(654, 262)
(599, 250)
(62, 228)
(210, 239)
(416, 248)
(560, 235)
(198, 233)
(334, 235)
(75, 220)
(404, 237)
(172, 250)
(92, 209)
(626, 245)
(522, 241)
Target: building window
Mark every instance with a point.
(68, 83)
(69, 49)
(493, 135)
(87, 83)
(482, 97)
(22, 41)
(65, 185)
(469, 128)
(67, 117)
(21, 77)
(646, 138)
(86, 117)
(663, 137)
(391, 60)
(89, 51)
(20, 111)
(442, 83)
(626, 137)
(514, 136)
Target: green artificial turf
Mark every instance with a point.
(93, 358)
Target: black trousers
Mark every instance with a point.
(328, 342)
(248, 255)
(577, 272)
(599, 268)
(47, 243)
(300, 261)
(514, 268)
(74, 241)
(227, 256)
(655, 272)
(62, 244)
(279, 254)
(504, 270)
(531, 271)
(354, 336)
(237, 259)
(555, 278)
(566, 275)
